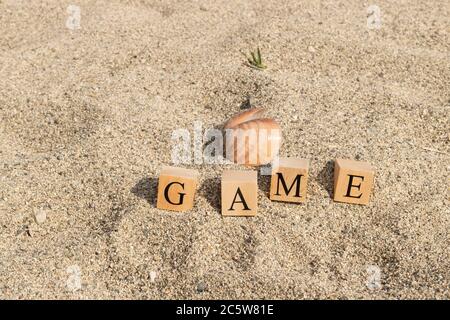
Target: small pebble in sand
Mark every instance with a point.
(311, 49)
(201, 286)
(40, 216)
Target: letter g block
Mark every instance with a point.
(176, 188)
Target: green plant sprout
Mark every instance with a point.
(255, 60)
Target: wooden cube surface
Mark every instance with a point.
(289, 180)
(239, 191)
(176, 188)
(353, 181)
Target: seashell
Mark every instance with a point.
(251, 139)
(252, 114)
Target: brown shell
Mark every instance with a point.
(252, 140)
(252, 114)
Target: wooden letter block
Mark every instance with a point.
(176, 188)
(353, 181)
(239, 193)
(289, 180)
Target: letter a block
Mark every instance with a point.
(176, 188)
(353, 181)
(239, 193)
(289, 180)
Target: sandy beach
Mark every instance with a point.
(90, 96)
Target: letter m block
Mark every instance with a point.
(176, 188)
(289, 180)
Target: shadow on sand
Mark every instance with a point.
(146, 189)
(325, 177)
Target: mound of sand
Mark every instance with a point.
(86, 122)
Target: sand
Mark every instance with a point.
(86, 123)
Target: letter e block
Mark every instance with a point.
(289, 180)
(176, 188)
(239, 193)
(353, 181)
